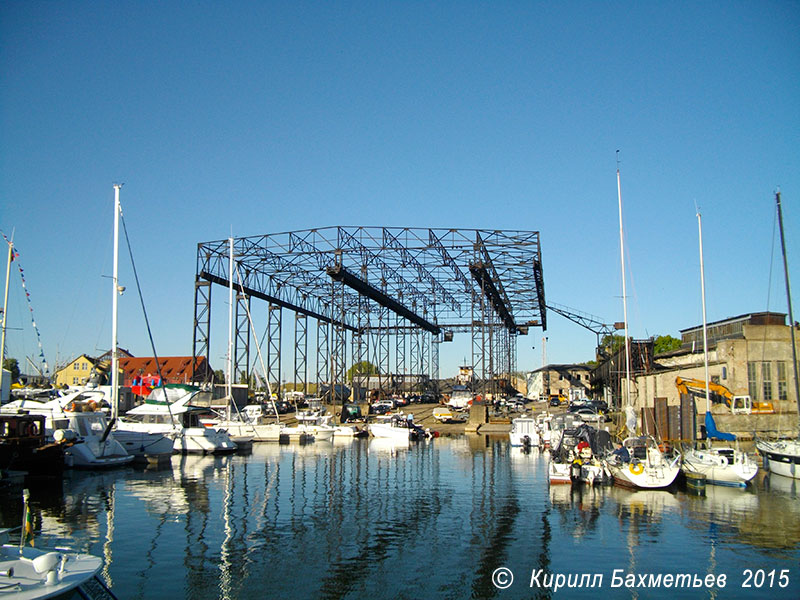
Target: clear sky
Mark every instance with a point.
(260, 117)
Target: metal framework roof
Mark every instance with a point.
(431, 277)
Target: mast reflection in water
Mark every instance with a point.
(363, 519)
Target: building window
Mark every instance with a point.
(752, 381)
(766, 380)
(724, 372)
(74, 381)
(782, 387)
(84, 366)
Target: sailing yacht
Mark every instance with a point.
(251, 424)
(782, 457)
(150, 446)
(639, 462)
(719, 466)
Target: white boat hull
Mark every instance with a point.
(524, 432)
(559, 473)
(387, 431)
(718, 470)
(642, 476)
(270, 432)
(781, 458)
(145, 446)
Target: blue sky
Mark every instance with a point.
(265, 117)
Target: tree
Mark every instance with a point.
(362, 368)
(665, 343)
(219, 376)
(11, 364)
(612, 343)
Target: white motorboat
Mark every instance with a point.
(524, 432)
(168, 410)
(32, 573)
(76, 421)
(559, 472)
(254, 422)
(318, 426)
(461, 398)
(397, 427)
(641, 464)
(781, 457)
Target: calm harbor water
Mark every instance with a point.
(362, 519)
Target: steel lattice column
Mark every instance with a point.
(202, 326)
(435, 343)
(274, 346)
(339, 341)
(241, 341)
(424, 353)
(323, 354)
(300, 351)
(400, 351)
(479, 341)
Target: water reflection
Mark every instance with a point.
(370, 519)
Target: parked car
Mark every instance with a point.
(555, 402)
(381, 407)
(589, 415)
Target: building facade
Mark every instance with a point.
(563, 380)
(76, 372)
(749, 355)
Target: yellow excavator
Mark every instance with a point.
(720, 394)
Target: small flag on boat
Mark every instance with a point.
(27, 523)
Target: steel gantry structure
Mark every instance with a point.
(384, 295)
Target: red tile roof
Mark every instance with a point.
(174, 369)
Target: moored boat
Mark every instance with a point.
(640, 464)
(168, 410)
(24, 447)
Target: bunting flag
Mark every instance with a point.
(15, 257)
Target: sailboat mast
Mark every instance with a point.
(703, 295)
(624, 293)
(115, 309)
(5, 312)
(229, 375)
(789, 299)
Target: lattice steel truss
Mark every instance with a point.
(365, 285)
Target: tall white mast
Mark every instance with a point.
(229, 375)
(114, 309)
(703, 295)
(5, 312)
(624, 293)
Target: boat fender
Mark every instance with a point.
(636, 468)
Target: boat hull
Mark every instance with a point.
(387, 431)
(781, 458)
(717, 470)
(644, 477)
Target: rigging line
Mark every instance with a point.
(144, 311)
(769, 278)
(15, 257)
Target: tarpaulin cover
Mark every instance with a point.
(714, 434)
